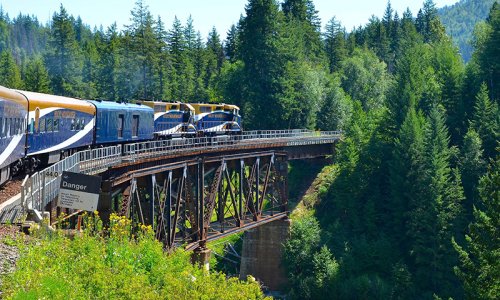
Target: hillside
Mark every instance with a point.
(460, 19)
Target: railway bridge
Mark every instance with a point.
(191, 191)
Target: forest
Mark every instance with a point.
(411, 210)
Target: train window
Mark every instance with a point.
(174, 107)
(159, 108)
(135, 125)
(121, 119)
(42, 125)
(49, 125)
(7, 127)
(205, 109)
(56, 124)
(72, 125)
(82, 123)
(1, 127)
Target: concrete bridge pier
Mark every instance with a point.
(262, 254)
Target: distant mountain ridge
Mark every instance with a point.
(460, 19)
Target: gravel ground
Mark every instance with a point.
(8, 254)
(10, 189)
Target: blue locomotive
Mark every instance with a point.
(39, 129)
(215, 119)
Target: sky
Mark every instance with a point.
(205, 13)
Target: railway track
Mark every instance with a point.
(10, 208)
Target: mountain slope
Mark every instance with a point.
(460, 20)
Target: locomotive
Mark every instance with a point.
(39, 129)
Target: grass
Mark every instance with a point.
(116, 265)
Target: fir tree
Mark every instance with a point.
(485, 121)
(63, 59)
(335, 45)
(480, 259)
(9, 71)
(37, 77)
(472, 167)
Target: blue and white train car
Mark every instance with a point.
(172, 119)
(57, 126)
(214, 119)
(122, 122)
(13, 120)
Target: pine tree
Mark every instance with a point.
(231, 44)
(215, 59)
(107, 64)
(37, 77)
(263, 63)
(303, 20)
(488, 53)
(480, 259)
(182, 74)
(9, 71)
(472, 167)
(485, 121)
(63, 59)
(407, 176)
(335, 44)
(435, 227)
(161, 90)
(144, 46)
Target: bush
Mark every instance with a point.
(118, 265)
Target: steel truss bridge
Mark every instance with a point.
(190, 191)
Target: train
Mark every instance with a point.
(39, 129)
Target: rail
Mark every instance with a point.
(152, 149)
(42, 187)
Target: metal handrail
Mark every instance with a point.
(42, 187)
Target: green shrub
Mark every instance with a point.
(118, 265)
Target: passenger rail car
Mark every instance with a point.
(172, 119)
(122, 122)
(57, 125)
(13, 115)
(215, 119)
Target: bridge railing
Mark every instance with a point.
(43, 186)
(150, 149)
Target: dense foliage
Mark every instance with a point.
(420, 128)
(113, 266)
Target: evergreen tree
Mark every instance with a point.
(182, 75)
(437, 215)
(107, 64)
(485, 121)
(9, 71)
(144, 46)
(263, 63)
(472, 167)
(407, 176)
(303, 19)
(488, 52)
(63, 58)
(36, 76)
(161, 87)
(231, 44)
(480, 258)
(214, 59)
(335, 44)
